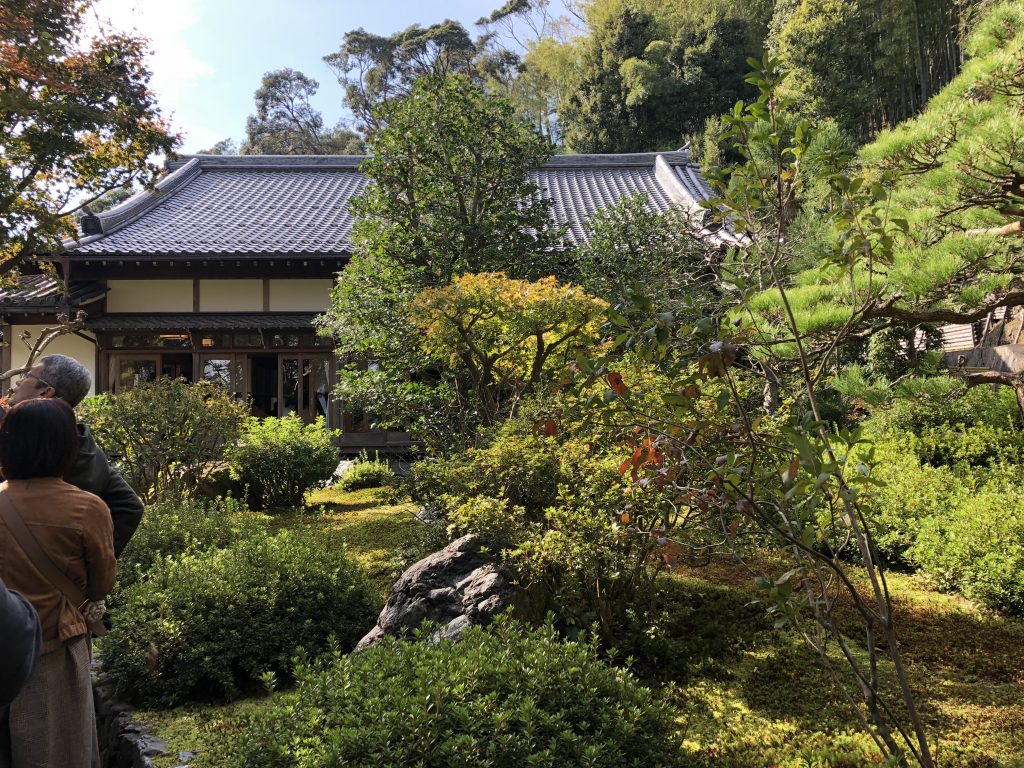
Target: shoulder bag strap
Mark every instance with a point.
(38, 556)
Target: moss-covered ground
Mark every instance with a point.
(747, 694)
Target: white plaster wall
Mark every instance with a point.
(82, 350)
(300, 295)
(149, 296)
(230, 295)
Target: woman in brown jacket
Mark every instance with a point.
(52, 721)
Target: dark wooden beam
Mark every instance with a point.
(94, 270)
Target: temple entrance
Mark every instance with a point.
(263, 385)
(286, 384)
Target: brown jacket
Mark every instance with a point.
(74, 528)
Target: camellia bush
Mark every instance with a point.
(166, 434)
(279, 460)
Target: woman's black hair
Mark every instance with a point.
(38, 438)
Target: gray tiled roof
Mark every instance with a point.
(43, 293)
(196, 321)
(292, 205)
(578, 193)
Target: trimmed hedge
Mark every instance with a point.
(208, 624)
(503, 697)
(978, 547)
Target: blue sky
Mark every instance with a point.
(208, 56)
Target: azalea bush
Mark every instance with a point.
(208, 624)
(188, 525)
(504, 696)
(977, 546)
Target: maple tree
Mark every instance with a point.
(77, 119)
(507, 335)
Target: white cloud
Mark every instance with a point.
(176, 69)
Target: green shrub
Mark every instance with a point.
(503, 697)
(517, 465)
(494, 519)
(594, 541)
(207, 624)
(978, 547)
(559, 512)
(167, 433)
(279, 460)
(366, 473)
(171, 528)
(912, 492)
(970, 407)
(977, 445)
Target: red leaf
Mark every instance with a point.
(616, 383)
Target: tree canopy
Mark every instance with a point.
(77, 120)
(375, 69)
(510, 336)
(868, 64)
(936, 235)
(451, 195)
(286, 123)
(649, 75)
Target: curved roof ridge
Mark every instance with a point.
(297, 162)
(618, 159)
(132, 208)
(587, 160)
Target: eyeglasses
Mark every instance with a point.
(44, 382)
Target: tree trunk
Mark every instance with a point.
(1018, 390)
(771, 390)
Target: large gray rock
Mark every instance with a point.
(459, 586)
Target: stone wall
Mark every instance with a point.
(123, 743)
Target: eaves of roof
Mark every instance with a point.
(46, 294)
(198, 321)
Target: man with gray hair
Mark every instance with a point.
(64, 377)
